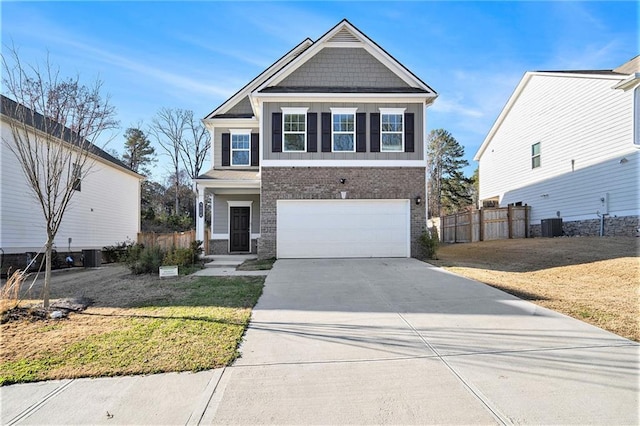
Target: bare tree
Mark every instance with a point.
(195, 148)
(168, 127)
(185, 140)
(54, 122)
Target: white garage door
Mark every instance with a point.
(343, 228)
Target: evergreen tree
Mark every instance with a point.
(449, 189)
(138, 152)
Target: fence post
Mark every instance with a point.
(455, 227)
(510, 220)
(481, 224)
(527, 211)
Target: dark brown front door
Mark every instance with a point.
(239, 233)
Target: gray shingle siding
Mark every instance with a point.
(242, 107)
(343, 67)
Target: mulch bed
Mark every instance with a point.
(59, 309)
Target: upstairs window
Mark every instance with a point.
(343, 127)
(294, 129)
(241, 148)
(392, 129)
(535, 155)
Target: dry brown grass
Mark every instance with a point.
(594, 279)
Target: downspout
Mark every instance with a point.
(601, 216)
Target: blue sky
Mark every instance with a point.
(194, 55)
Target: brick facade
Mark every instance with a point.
(222, 246)
(625, 226)
(308, 183)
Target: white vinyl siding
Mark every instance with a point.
(105, 212)
(343, 228)
(586, 127)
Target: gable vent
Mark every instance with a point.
(344, 36)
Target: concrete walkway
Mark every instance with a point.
(225, 266)
(373, 341)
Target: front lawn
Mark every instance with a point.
(148, 326)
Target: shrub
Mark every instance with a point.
(178, 256)
(144, 260)
(429, 243)
(116, 252)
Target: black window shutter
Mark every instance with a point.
(255, 149)
(312, 132)
(326, 132)
(408, 132)
(226, 149)
(375, 131)
(361, 132)
(276, 132)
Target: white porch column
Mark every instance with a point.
(213, 204)
(200, 214)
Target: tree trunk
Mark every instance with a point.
(47, 272)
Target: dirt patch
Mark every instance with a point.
(594, 279)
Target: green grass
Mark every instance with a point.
(199, 328)
(257, 265)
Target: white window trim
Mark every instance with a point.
(539, 155)
(339, 111)
(392, 111)
(636, 116)
(238, 204)
(239, 132)
(297, 111)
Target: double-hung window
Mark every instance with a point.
(294, 129)
(535, 155)
(392, 129)
(241, 147)
(343, 125)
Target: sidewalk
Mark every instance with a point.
(373, 341)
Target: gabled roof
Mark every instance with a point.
(16, 111)
(622, 73)
(345, 34)
(341, 35)
(249, 87)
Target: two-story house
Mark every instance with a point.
(567, 144)
(104, 209)
(321, 155)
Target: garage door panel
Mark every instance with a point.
(342, 228)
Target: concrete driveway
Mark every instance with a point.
(371, 341)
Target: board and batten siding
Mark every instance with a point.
(106, 211)
(221, 212)
(584, 127)
(319, 107)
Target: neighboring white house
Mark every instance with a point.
(567, 144)
(104, 211)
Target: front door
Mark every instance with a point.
(239, 232)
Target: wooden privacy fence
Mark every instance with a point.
(170, 240)
(486, 224)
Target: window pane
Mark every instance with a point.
(295, 122)
(343, 122)
(342, 142)
(294, 142)
(391, 122)
(535, 162)
(240, 158)
(391, 142)
(535, 149)
(240, 142)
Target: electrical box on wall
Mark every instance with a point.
(604, 203)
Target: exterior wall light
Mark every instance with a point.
(418, 200)
(343, 180)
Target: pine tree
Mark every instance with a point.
(449, 189)
(138, 152)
